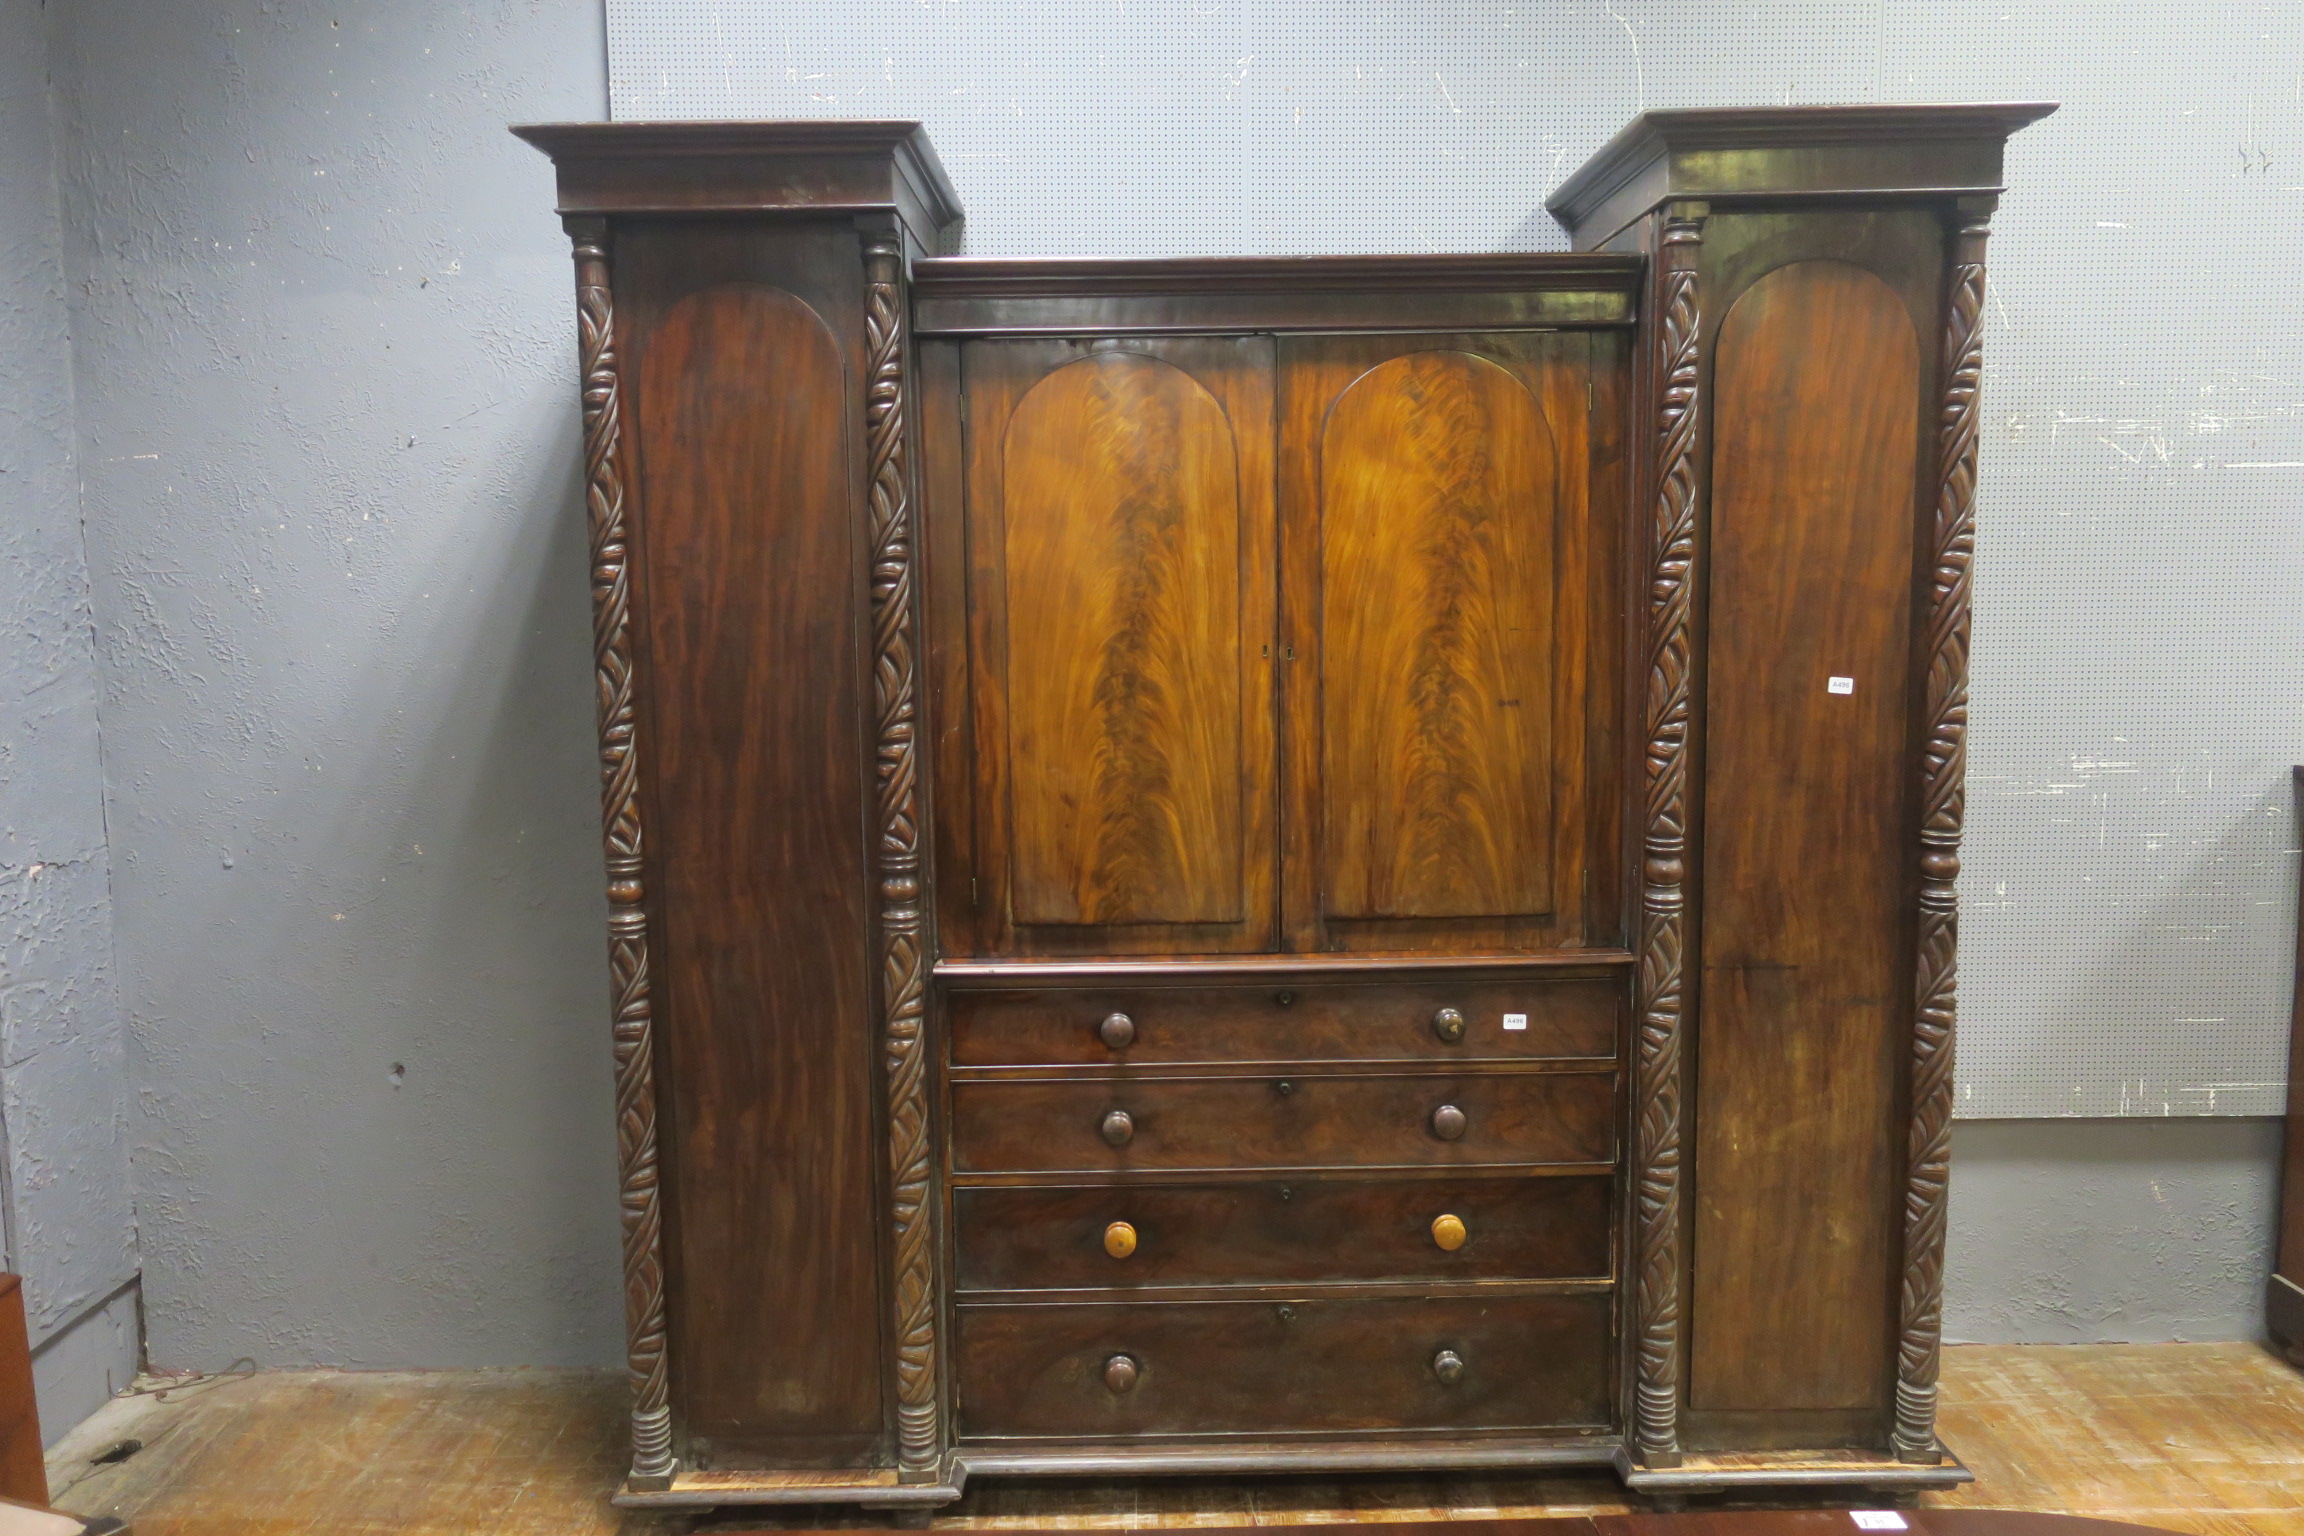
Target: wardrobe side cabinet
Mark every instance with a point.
(1272, 865)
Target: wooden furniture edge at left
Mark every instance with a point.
(2284, 1289)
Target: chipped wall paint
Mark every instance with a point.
(69, 1220)
(2130, 893)
(325, 351)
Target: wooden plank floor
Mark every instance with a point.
(2194, 1437)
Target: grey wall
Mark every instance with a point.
(65, 1209)
(325, 367)
(2089, 1231)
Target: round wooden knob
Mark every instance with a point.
(1448, 1122)
(1118, 1031)
(1120, 1239)
(1449, 1367)
(1448, 1024)
(1448, 1232)
(1119, 1129)
(1121, 1371)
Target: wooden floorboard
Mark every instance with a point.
(2206, 1438)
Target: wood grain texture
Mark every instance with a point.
(23, 1475)
(1257, 1366)
(1120, 616)
(1806, 928)
(2281, 1316)
(631, 1008)
(1437, 502)
(754, 580)
(1123, 559)
(1942, 800)
(1658, 1343)
(903, 939)
(1449, 633)
(1269, 1231)
(1321, 1121)
(1287, 1021)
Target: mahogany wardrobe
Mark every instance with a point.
(1271, 865)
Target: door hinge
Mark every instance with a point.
(1591, 396)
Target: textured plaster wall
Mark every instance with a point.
(2085, 1231)
(69, 1224)
(325, 363)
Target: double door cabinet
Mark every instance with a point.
(1262, 865)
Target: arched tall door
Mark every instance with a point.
(1805, 991)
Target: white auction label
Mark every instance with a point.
(1515, 1021)
(1848, 685)
(1876, 1519)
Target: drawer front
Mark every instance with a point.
(1296, 1121)
(1576, 1017)
(1269, 1232)
(1239, 1367)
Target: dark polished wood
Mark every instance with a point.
(1288, 1021)
(2284, 1292)
(823, 166)
(1261, 863)
(631, 1004)
(1233, 1367)
(1799, 155)
(1668, 710)
(1816, 380)
(1310, 1119)
(984, 296)
(23, 1472)
(1269, 1232)
(750, 556)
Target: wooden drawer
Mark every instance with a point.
(1294, 1121)
(1237, 1367)
(1270, 1232)
(1571, 1017)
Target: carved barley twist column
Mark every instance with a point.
(652, 1462)
(1943, 761)
(902, 942)
(1663, 890)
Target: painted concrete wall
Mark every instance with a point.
(2087, 1231)
(327, 423)
(64, 1195)
(326, 372)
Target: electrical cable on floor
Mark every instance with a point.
(180, 1386)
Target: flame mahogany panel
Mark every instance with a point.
(1122, 508)
(1448, 634)
(1437, 501)
(1120, 638)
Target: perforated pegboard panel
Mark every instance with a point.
(2128, 906)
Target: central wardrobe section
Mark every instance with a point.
(1277, 632)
